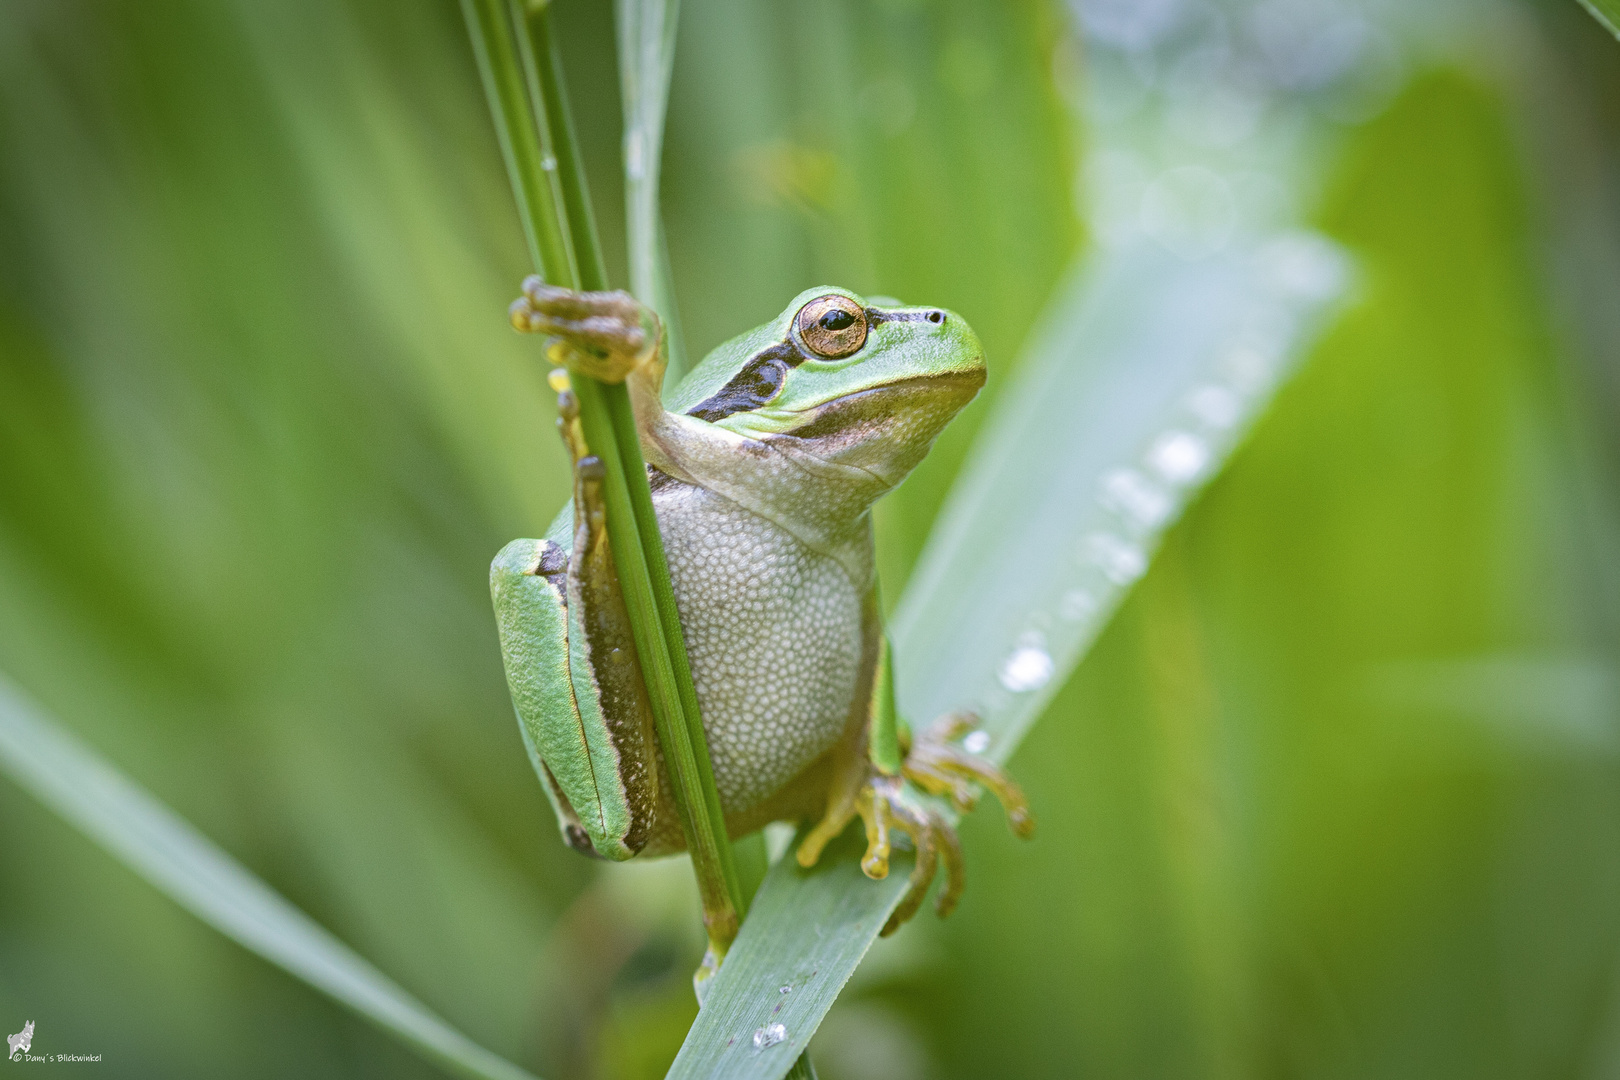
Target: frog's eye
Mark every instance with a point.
(832, 326)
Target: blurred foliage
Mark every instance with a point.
(1606, 12)
(1334, 796)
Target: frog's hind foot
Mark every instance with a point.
(605, 335)
(886, 806)
(936, 763)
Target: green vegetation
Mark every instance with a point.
(1333, 793)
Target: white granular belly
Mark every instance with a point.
(773, 632)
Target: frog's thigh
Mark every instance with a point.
(533, 621)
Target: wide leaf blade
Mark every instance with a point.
(1136, 390)
(1153, 358)
(1606, 12)
(1148, 369)
(179, 861)
(804, 935)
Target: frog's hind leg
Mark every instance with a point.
(571, 666)
(887, 804)
(843, 797)
(882, 781)
(886, 807)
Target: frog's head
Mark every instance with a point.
(862, 383)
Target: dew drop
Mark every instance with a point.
(1076, 605)
(632, 156)
(769, 1035)
(1130, 492)
(1304, 264)
(1028, 667)
(548, 163)
(1215, 405)
(785, 990)
(1179, 457)
(1121, 563)
(1190, 211)
(977, 742)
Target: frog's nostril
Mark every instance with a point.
(936, 316)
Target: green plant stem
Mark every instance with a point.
(522, 82)
(713, 846)
(495, 49)
(544, 63)
(685, 754)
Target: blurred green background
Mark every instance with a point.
(1336, 795)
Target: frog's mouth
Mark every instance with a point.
(886, 430)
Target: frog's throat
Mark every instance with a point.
(820, 503)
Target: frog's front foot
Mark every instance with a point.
(889, 804)
(605, 335)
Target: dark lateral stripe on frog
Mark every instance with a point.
(757, 382)
(553, 566)
(874, 316)
(762, 377)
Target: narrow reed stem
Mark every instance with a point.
(522, 81)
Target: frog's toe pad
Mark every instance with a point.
(605, 335)
(885, 809)
(938, 765)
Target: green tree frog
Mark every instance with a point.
(764, 463)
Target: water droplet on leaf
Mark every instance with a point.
(1076, 605)
(1120, 562)
(1029, 667)
(1179, 457)
(1129, 492)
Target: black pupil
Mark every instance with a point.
(836, 319)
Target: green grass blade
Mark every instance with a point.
(522, 82)
(646, 31)
(149, 838)
(1606, 12)
(1145, 374)
(805, 934)
(543, 61)
(496, 49)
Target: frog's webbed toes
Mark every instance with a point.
(939, 766)
(605, 335)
